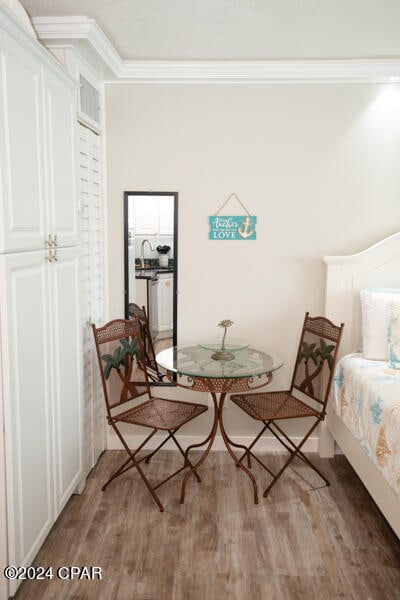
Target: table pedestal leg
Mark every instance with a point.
(228, 447)
(210, 439)
(218, 408)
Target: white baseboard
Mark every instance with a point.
(266, 444)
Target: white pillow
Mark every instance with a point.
(394, 341)
(378, 306)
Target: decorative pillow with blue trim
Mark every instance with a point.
(378, 307)
(394, 341)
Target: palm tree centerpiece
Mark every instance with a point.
(223, 354)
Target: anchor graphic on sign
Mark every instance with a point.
(245, 232)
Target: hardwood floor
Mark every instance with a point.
(162, 344)
(300, 543)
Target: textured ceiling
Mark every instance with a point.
(239, 29)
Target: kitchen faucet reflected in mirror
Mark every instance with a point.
(150, 251)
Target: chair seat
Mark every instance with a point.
(160, 413)
(264, 406)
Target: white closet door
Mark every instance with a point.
(27, 403)
(66, 377)
(92, 290)
(22, 193)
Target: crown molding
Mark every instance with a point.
(79, 29)
(57, 30)
(263, 71)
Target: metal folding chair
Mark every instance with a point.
(153, 370)
(306, 398)
(119, 346)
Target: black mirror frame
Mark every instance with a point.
(175, 255)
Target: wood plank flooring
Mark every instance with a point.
(160, 345)
(303, 542)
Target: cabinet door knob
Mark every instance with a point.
(52, 256)
(52, 241)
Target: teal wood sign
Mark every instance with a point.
(242, 227)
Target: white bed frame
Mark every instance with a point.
(378, 266)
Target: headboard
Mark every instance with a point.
(377, 266)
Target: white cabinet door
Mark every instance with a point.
(166, 212)
(66, 352)
(37, 151)
(22, 172)
(26, 354)
(41, 365)
(163, 303)
(60, 113)
(153, 215)
(146, 215)
(166, 304)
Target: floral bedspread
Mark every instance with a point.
(366, 396)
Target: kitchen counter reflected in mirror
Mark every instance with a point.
(150, 252)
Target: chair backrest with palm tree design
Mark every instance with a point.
(316, 355)
(149, 356)
(119, 348)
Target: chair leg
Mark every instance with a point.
(186, 463)
(132, 462)
(248, 452)
(260, 462)
(171, 433)
(149, 456)
(300, 454)
(135, 464)
(293, 454)
(123, 468)
(313, 467)
(182, 451)
(118, 472)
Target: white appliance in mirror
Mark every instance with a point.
(150, 238)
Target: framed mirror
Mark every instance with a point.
(151, 260)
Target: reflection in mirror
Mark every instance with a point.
(150, 240)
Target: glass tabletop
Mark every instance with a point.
(196, 361)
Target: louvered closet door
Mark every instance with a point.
(92, 289)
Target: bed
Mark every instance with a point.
(357, 434)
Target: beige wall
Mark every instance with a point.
(318, 165)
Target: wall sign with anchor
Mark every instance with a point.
(232, 227)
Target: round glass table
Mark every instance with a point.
(195, 369)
